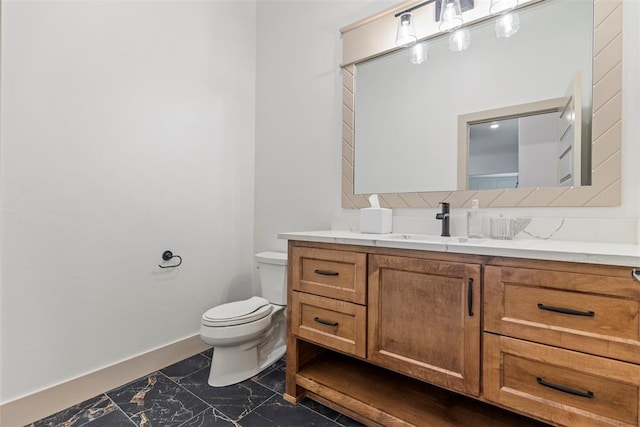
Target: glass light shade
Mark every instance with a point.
(450, 15)
(498, 7)
(406, 35)
(419, 53)
(507, 25)
(460, 40)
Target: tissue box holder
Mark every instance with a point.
(376, 220)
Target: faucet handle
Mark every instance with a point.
(444, 216)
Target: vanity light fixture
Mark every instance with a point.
(449, 13)
(406, 35)
(450, 16)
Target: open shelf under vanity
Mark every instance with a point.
(370, 393)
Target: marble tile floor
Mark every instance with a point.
(179, 396)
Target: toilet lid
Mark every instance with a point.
(238, 312)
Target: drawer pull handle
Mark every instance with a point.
(326, 273)
(470, 296)
(566, 310)
(325, 322)
(587, 394)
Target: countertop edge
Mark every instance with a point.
(627, 255)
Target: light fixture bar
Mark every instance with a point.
(411, 9)
(466, 5)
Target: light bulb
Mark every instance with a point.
(498, 7)
(406, 35)
(507, 25)
(419, 53)
(460, 40)
(450, 15)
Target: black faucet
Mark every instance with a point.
(444, 216)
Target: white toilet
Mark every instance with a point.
(249, 335)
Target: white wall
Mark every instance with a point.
(298, 114)
(127, 129)
(299, 136)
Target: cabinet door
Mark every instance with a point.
(424, 320)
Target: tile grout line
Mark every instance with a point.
(265, 401)
(228, 418)
(300, 404)
(186, 389)
(274, 368)
(120, 409)
(85, 410)
(335, 420)
(209, 406)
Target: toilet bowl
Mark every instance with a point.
(249, 335)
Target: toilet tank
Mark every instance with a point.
(272, 267)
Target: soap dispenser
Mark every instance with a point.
(474, 220)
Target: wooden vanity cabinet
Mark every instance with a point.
(561, 342)
(397, 337)
(424, 320)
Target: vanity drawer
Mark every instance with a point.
(331, 323)
(590, 313)
(330, 273)
(561, 386)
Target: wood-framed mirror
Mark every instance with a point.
(375, 36)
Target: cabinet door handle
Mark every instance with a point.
(587, 394)
(326, 272)
(566, 310)
(470, 296)
(325, 322)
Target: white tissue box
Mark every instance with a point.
(376, 220)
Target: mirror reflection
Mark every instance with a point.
(505, 148)
(407, 114)
(504, 153)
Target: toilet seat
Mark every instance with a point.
(237, 313)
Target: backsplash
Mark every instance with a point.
(602, 230)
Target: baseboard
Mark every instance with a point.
(33, 407)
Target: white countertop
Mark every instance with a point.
(553, 250)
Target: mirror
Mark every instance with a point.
(414, 157)
(406, 115)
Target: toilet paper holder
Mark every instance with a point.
(168, 255)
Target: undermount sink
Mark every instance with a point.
(430, 238)
(418, 237)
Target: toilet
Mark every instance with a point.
(249, 335)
